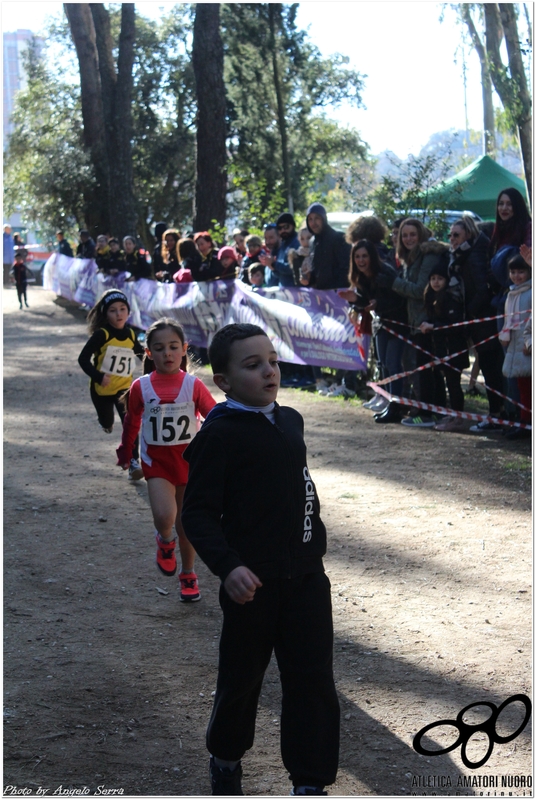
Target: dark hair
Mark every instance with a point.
(98, 315)
(219, 349)
(203, 234)
(366, 227)
(186, 249)
(396, 224)
(113, 240)
(513, 231)
(148, 364)
(161, 324)
(256, 267)
(486, 228)
(517, 262)
(434, 300)
(356, 278)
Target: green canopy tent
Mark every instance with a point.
(476, 188)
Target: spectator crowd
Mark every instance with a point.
(407, 294)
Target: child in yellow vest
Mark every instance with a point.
(108, 359)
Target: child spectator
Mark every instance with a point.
(301, 259)
(256, 276)
(517, 363)
(444, 306)
(21, 273)
(229, 263)
(166, 405)
(116, 261)
(254, 250)
(102, 254)
(267, 548)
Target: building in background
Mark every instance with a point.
(15, 44)
(15, 79)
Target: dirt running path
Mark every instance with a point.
(109, 679)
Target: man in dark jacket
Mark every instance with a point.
(64, 248)
(281, 273)
(330, 255)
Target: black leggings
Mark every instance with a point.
(432, 389)
(21, 292)
(104, 405)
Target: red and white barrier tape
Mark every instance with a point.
(459, 324)
(477, 417)
(437, 361)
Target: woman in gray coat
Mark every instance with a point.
(419, 256)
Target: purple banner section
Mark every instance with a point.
(306, 326)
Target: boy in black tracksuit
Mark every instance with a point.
(266, 545)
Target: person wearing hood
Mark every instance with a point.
(330, 254)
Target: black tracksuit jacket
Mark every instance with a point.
(249, 499)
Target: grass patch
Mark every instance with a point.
(522, 464)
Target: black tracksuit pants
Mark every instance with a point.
(293, 617)
(104, 405)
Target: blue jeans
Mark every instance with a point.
(390, 351)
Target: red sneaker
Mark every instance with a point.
(165, 556)
(189, 587)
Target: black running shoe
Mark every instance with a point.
(224, 781)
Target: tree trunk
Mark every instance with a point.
(84, 37)
(489, 132)
(117, 104)
(280, 109)
(211, 153)
(500, 20)
(518, 78)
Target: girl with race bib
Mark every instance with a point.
(109, 359)
(166, 405)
